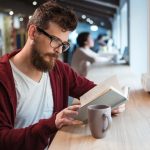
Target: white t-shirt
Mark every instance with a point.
(34, 99)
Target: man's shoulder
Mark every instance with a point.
(5, 69)
(4, 60)
(63, 69)
(62, 65)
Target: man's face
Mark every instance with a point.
(44, 53)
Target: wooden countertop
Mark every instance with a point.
(130, 130)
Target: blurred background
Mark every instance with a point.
(123, 25)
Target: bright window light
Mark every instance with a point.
(21, 19)
(73, 36)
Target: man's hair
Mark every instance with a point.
(82, 38)
(53, 12)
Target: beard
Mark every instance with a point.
(38, 61)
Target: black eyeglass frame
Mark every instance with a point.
(52, 37)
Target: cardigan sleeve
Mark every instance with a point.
(33, 137)
(77, 84)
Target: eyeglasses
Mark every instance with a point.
(55, 42)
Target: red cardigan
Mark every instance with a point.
(64, 81)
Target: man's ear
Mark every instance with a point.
(32, 32)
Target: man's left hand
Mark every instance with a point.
(118, 110)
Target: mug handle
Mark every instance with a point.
(109, 121)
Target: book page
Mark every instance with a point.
(125, 90)
(100, 89)
(112, 81)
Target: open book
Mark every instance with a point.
(109, 92)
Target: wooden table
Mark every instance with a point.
(130, 130)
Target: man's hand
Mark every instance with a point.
(65, 117)
(119, 109)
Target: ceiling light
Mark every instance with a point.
(91, 21)
(11, 13)
(88, 19)
(102, 23)
(34, 3)
(94, 27)
(30, 17)
(83, 16)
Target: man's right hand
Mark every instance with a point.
(66, 116)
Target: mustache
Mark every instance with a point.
(52, 55)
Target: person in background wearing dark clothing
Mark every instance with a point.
(99, 43)
(67, 55)
(35, 85)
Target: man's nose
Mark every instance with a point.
(58, 49)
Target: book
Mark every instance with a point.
(109, 92)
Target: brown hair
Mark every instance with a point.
(53, 12)
(82, 38)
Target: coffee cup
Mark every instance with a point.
(99, 119)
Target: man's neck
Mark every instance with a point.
(22, 61)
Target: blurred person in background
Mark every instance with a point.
(84, 55)
(100, 43)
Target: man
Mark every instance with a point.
(34, 85)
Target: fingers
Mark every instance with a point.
(74, 107)
(76, 102)
(119, 109)
(69, 113)
(71, 110)
(69, 121)
(64, 121)
(66, 116)
(123, 105)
